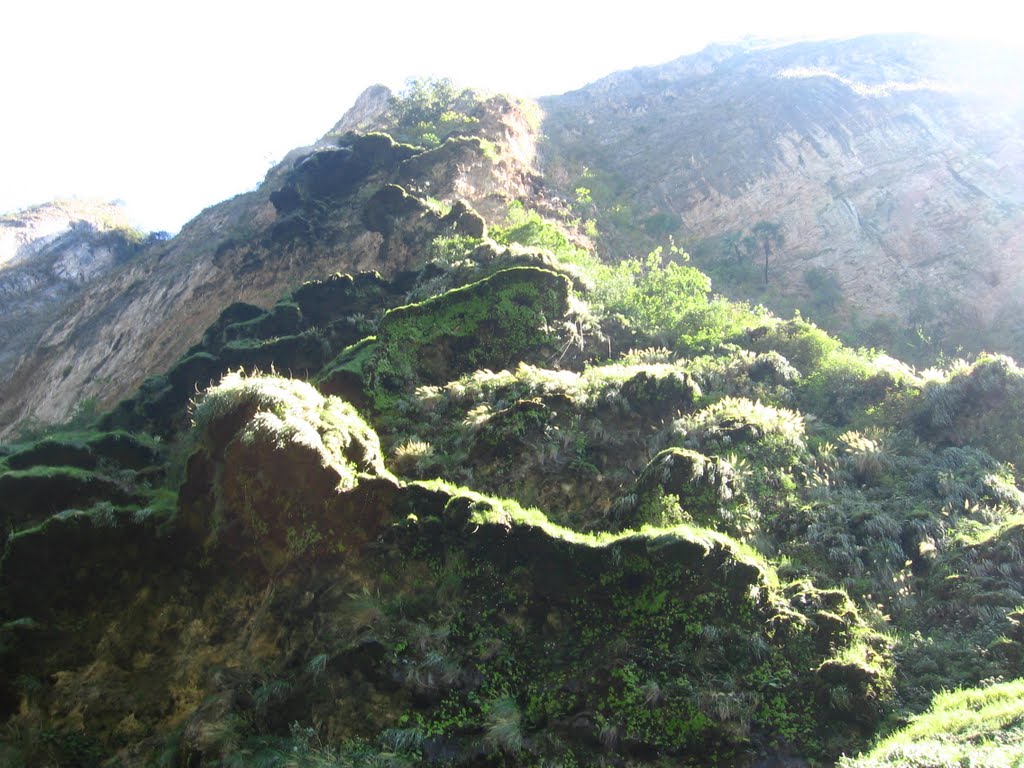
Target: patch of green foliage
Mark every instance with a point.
(429, 110)
(966, 727)
(980, 403)
(493, 322)
(528, 228)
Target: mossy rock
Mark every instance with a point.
(53, 453)
(327, 173)
(389, 205)
(162, 407)
(440, 164)
(302, 353)
(464, 220)
(703, 485)
(347, 376)
(494, 323)
(377, 150)
(847, 688)
(284, 319)
(662, 396)
(194, 371)
(579, 602)
(339, 296)
(239, 312)
(512, 429)
(156, 408)
(830, 614)
(507, 535)
(76, 558)
(980, 582)
(337, 173)
(296, 225)
(282, 472)
(125, 449)
(32, 495)
(980, 405)
(86, 451)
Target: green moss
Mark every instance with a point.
(282, 472)
(509, 316)
(32, 495)
(679, 484)
(287, 411)
(802, 343)
(979, 404)
(82, 557)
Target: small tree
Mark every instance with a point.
(769, 235)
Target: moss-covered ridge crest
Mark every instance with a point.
(279, 465)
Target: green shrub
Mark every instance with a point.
(431, 110)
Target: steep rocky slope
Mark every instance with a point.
(49, 255)
(479, 529)
(315, 214)
(875, 182)
(506, 504)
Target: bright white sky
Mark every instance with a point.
(173, 106)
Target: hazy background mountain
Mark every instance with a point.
(880, 179)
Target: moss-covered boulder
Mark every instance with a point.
(125, 449)
(980, 581)
(82, 556)
(673, 642)
(53, 452)
(282, 472)
(284, 319)
(508, 317)
(702, 484)
(337, 172)
(465, 221)
(325, 301)
(390, 204)
(664, 395)
(980, 405)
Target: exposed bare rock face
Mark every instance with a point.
(48, 256)
(880, 179)
(316, 213)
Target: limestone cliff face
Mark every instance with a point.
(48, 256)
(316, 213)
(887, 169)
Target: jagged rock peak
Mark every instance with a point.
(367, 112)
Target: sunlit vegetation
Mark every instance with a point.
(976, 726)
(522, 507)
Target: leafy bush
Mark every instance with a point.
(530, 229)
(669, 303)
